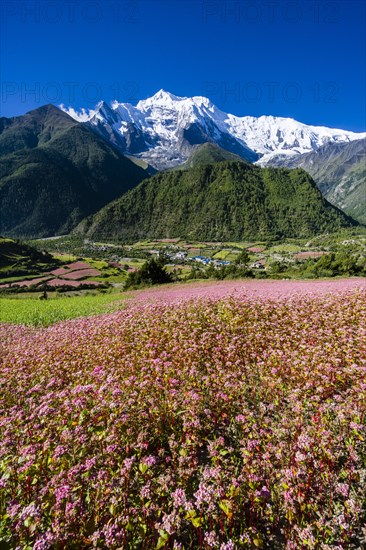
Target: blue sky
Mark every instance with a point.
(299, 59)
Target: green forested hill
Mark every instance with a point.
(339, 169)
(221, 201)
(54, 172)
(209, 153)
(17, 257)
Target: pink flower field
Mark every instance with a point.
(250, 287)
(232, 420)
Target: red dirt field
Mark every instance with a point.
(76, 275)
(28, 282)
(255, 249)
(78, 265)
(70, 272)
(33, 281)
(60, 271)
(306, 255)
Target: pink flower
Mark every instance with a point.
(343, 489)
(62, 493)
(211, 539)
(59, 451)
(179, 497)
(149, 460)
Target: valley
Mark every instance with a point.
(76, 277)
(59, 174)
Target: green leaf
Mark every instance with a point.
(143, 467)
(163, 539)
(28, 522)
(225, 505)
(191, 514)
(197, 522)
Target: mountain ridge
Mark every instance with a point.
(54, 171)
(164, 129)
(339, 170)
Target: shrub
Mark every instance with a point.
(152, 272)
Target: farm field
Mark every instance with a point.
(344, 256)
(235, 419)
(31, 311)
(251, 288)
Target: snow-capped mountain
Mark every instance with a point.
(164, 129)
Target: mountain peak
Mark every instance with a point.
(84, 115)
(47, 109)
(162, 98)
(104, 110)
(47, 114)
(163, 130)
(102, 105)
(163, 94)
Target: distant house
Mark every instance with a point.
(259, 264)
(182, 255)
(202, 260)
(220, 263)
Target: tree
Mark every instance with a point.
(152, 272)
(243, 258)
(278, 267)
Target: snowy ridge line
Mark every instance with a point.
(164, 129)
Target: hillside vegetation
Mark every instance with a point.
(339, 170)
(209, 153)
(18, 258)
(54, 172)
(222, 201)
